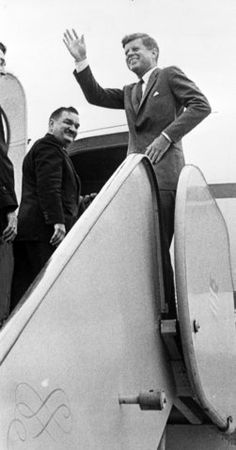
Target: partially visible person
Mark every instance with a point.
(162, 107)
(50, 199)
(8, 206)
(8, 230)
(3, 50)
(8, 201)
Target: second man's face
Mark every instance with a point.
(65, 128)
(139, 58)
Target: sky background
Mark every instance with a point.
(198, 36)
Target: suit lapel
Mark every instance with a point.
(151, 82)
(131, 91)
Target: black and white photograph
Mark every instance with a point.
(117, 225)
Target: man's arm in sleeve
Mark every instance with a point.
(94, 93)
(8, 199)
(195, 106)
(49, 167)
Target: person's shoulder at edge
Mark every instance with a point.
(168, 70)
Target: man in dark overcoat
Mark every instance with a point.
(50, 199)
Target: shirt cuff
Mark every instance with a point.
(81, 65)
(166, 136)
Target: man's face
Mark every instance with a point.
(65, 127)
(139, 58)
(2, 62)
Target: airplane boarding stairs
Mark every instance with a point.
(87, 332)
(84, 346)
(206, 318)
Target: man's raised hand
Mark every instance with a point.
(75, 45)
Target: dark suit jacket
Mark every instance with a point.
(50, 191)
(8, 201)
(171, 103)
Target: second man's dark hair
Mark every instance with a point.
(58, 112)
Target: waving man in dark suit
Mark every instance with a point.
(50, 199)
(161, 108)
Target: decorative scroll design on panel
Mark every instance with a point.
(37, 416)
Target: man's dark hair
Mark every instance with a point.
(58, 112)
(147, 40)
(3, 48)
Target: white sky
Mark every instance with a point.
(198, 36)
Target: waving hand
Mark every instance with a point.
(75, 45)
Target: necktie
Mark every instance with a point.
(139, 92)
